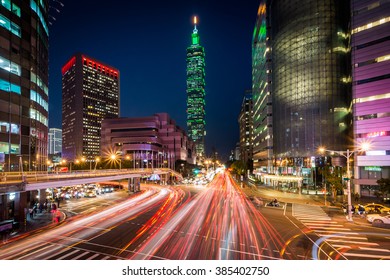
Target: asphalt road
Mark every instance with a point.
(191, 222)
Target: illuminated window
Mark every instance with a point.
(10, 66)
(15, 9)
(37, 10)
(371, 25)
(7, 86)
(6, 149)
(6, 4)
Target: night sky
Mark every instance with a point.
(147, 41)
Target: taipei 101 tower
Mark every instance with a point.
(196, 93)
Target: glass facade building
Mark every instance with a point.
(90, 93)
(370, 42)
(311, 77)
(262, 98)
(55, 141)
(196, 112)
(24, 94)
(245, 121)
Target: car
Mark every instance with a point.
(376, 208)
(379, 218)
(90, 194)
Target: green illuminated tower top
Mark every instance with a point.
(196, 93)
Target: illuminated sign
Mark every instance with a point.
(376, 134)
(372, 168)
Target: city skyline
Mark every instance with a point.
(150, 53)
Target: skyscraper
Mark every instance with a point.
(262, 97)
(24, 75)
(301, 78)
(55, 141)
(370, 45)
(90, 93)
(310, 69)
(196, 93)
(245, 120)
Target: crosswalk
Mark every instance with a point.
(348, 244)
(55, 252)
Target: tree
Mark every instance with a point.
(384, 186)
(238, 167)
(334, 179)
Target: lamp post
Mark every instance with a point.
(347, 154)
(97, 159)
(114, 157)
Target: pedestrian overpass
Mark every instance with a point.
(19, 189)
(12, 182)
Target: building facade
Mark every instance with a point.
(370, 42)
(196, 111)
(24, 75)
(301, 87)
(262, 98)
(24, 95)
(147, 142)
(55, 141)
(90, 93)
(245, 120)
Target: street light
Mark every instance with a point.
(97, 159)
(114, 157)
(347, 154)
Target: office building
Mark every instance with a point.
(245, 121)
(154, 141)
(90, 93)
(304, 48)
(370, 42)
(23, 85)
(24, 95)
(55, 141)
(196, 103)
(262, 98)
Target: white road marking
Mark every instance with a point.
(92, 257)
(314, 227)
(79, 256)
(374, 249)
(367, 256)
(35, 251)
(68, 254)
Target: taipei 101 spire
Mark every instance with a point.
(196, 112)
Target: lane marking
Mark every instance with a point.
(35, 251)
(341, 246)
(68, 254)
(247, 253)
(335, 228)
(374, 249)
(79, 256)
(340, 236)
(57, 253)
(354, 242)
(92, 257)
(368, 256)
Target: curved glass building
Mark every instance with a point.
(311, 82)
(24, 94)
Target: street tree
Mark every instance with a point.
(384, 187)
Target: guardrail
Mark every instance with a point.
(34, 177)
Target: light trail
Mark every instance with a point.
(40, 246)
(219, 223)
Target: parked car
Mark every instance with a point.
(379, 218)
(376, 208)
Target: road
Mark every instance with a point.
(219, 223)
(207, 223)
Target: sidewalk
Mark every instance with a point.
(268, 193)
(39, 221)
